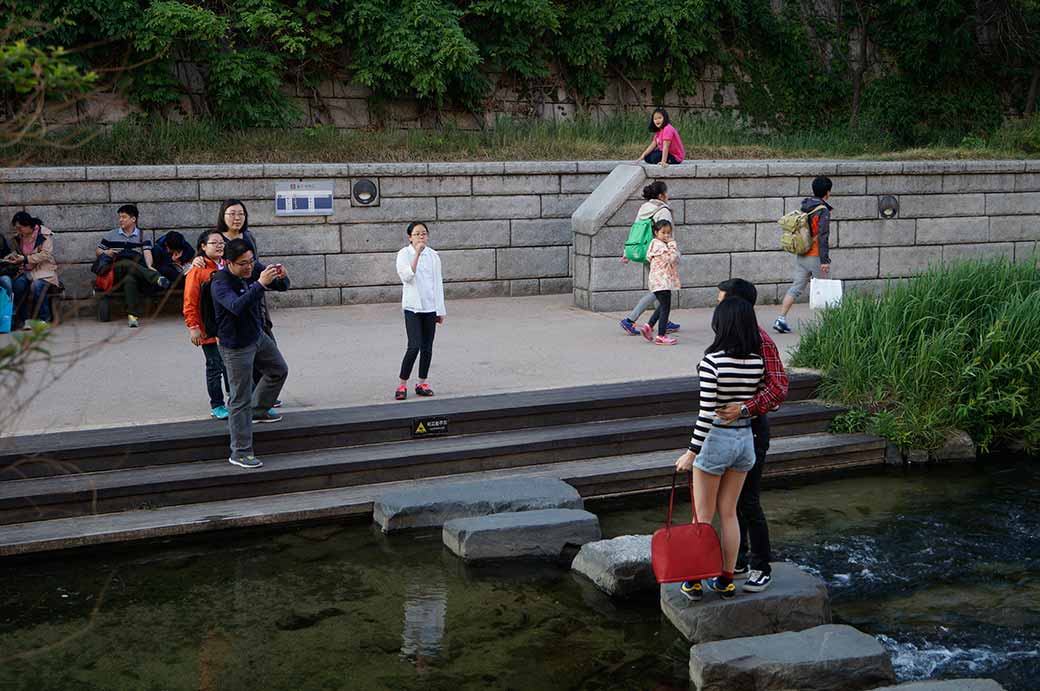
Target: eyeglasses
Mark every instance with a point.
(216, 243)
(235, 214)
(244, 263)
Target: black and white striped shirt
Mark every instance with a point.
(723, 380)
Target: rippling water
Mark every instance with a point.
(942, 565)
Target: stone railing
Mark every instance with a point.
(726, 213)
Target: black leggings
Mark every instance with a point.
(421, 328)
(660, 315)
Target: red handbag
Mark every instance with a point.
(106, 281)
(685, 552)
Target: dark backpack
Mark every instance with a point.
(207, 309)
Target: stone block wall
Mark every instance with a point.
(501, 228)
(726, 213)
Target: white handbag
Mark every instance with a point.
(824, 292)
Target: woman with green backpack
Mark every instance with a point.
(653, 210)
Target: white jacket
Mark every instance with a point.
(410, 299)
(656, 210)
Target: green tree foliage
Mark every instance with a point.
(929, 71)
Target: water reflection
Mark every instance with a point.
(425, 611)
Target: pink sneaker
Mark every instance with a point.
(665, 340)
(647, 331)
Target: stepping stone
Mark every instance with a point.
(833, 657)
(793, 601)
(947, 685)
(523, 535)
(619, 567)
(434, 505)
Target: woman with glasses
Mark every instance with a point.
(210, 249)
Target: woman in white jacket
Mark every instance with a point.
(422, 299)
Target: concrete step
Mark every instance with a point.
(540, 534)
(434, 505)
(832, 657)
(592, 478)
(148, 445)
(119, 490)
(795, 600)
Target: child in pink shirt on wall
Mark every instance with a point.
(666, 146)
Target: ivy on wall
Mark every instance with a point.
(920, 70)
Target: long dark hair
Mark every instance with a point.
(222, 226)
(667, 120)
(24, 218)
(736, 329)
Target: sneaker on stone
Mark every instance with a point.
(266, 416)
(163, 282)
(757, 581)
(277, 404)
(727, 593)
(220, 412)
(249, 461)
(780, 326)
(740, 571)
(672, 327)
(629, 326)
(401, 393)
(423, 390)
(692, 590)
(647, 331)
(131, 321)
(665, 340)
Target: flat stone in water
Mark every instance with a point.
(524, 535)
(794, 601)
(618, 567)
(833, 657)
(435, 504)
(947, 685)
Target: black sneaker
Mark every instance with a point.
(726, 593)
(692, 590)
(740, 571)
(757, 581)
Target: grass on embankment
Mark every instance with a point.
(152, 141)
(955, 348)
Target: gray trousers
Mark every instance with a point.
(244, 398)
(805, 268)
(645, 303)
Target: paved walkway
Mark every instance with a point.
(106, 375)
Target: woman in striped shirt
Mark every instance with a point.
(721, 453)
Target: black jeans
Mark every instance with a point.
(754, 531)
(655, 157)
(660, 315)
(216, 375)
(421, 328)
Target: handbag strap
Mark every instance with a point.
(671, 501)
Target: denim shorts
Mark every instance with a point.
(727, 448)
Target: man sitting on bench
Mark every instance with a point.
(133, 262)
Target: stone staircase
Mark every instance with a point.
(114, 485)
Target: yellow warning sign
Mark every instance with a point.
(429, 427)
(421, 429)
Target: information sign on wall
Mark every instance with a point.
(303, 199)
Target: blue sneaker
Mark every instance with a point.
(629, 326)
(692, 590)
(727, 593)
(780, 326)
(220, 412)
(266, 416)
(672, 327)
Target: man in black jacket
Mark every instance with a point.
(237, 292)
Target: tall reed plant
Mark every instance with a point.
(957, 347)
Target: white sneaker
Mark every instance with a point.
(131, 321)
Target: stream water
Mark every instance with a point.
(941, 564)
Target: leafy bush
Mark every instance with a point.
(955, 348)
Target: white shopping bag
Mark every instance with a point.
(824, 292)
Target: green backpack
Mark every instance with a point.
(797, 235)
(639, 238)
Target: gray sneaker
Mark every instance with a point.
(266, 416)
(249, 461)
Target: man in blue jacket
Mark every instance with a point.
(238, 291)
